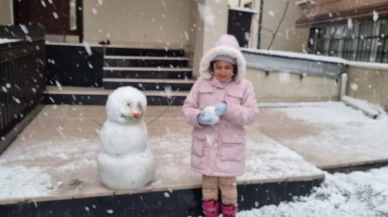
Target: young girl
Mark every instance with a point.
(218, 146)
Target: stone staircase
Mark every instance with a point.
(164, 76)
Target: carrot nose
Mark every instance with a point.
(136, 114)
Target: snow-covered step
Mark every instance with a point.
(146, 61)
(148, 72)
(98, 96)
(149, 84)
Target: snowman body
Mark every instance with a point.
(124, 160)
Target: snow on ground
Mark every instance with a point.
(19, 182)
(358, 194)
(268, 159)
(339, 123)
(35, 169)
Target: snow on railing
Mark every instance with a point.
(302, 63)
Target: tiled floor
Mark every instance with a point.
(57, 152)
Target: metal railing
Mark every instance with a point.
(22, 78)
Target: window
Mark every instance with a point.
(364, 41)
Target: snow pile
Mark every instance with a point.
(363, 106)
(44, 165)
(359, 194)
(7, 40)
(20, 182)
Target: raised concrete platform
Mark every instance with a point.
(332, 136)
(52, 165)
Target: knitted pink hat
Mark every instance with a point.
(226, 48)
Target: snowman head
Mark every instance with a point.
(126, 105)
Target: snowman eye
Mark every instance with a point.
(128, 104)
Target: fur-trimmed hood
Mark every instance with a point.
(225, 45)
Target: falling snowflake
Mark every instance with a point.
(354, 86)
(16, 100)
(350, 23)
(166, 194)
(206, 14)
(94, 11)
(271, 13)
(87, 48)
(55, 15)
(43, 3)
(58, 85)
(187, 36)
(24, 28)
(168, 92)
(247, 36)
(284, 77)
(109, 211)
(375, 16)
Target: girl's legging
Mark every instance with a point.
(227, 185)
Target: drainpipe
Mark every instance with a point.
(354, 102)
(260, 23)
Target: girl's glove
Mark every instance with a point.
(220, 108)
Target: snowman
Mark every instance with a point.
(124, 160)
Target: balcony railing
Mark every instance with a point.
(22, 76)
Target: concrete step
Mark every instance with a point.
(145, 61)
(149, 84)
(148, 72)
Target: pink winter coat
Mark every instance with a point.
(220, 150)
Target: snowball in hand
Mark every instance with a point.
(210, 114)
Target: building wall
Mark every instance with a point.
(6, 12)
(288, 87)
(368, 84)
(146, 21)
(327, 11)
(209, 26)
(288, 38)
(330, 6)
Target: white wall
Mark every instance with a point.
(6, 12)
(139, 21)
(288, 37)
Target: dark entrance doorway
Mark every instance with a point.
(58, 17)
